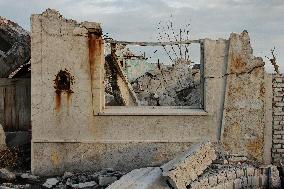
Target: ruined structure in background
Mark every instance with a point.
(70, 78)
(15, 83)
(151, 84)
(15, 50)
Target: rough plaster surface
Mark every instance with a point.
(56, 158)
(69, 134)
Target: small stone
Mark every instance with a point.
(7, 175)
(49, 183)
(87, 184)
(105, 180)
(67, 175)
(29, 177)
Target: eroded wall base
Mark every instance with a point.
(56, 158)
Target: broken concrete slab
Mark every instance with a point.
(244, 95)
(51, 182)
(144, 178)
(181, 171)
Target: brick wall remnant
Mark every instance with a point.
(278, 118)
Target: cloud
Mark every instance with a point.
(137, 19)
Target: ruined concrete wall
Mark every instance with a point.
(278, 118)
(73, 130)
(243, 116)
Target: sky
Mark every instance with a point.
(136, 20)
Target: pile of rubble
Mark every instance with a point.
(199, 168)
(175, 85)
(86, 180)
(160, 85)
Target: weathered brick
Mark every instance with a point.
(276, 122)
(278, 141)
(278, 132)
(277, 109)
(278, 80)
(278, 85)
(278, 113)
(281, 123)
(277, 89)
(281, 104)
(277, 146)
(277, 127)
(280, 150)
(278, 118)
(277, 136)
(277, 99)
(279, 94)
(274, 155)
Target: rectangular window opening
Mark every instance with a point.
(153, 75)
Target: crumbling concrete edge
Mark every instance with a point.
(268, 120)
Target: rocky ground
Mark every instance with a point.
(15, 173)
(25, 180)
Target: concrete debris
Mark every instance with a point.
(198, 169)
(91, 184)
(29, 177)
(2, 138)
(49, 183)
(15, 47)
(174, 85)
(12, 186)
(181, 171)
(144, 178)
(6, 175)
(86, 180)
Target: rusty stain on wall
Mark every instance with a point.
(62, 84)
(55, 158)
